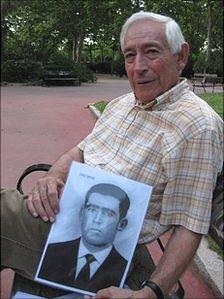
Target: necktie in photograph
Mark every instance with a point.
(84, 274)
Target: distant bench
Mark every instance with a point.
(206, 80)
(60, 77)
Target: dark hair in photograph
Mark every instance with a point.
(115, 191)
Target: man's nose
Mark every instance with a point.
(98, 217)
(141, 64)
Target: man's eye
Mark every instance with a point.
(110, 214)
(152, 52)
(129, 56)
(91, 209)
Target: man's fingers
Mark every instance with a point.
(38, 205)
(45, 197)
(61, 185)
(29, 204)
(114, 293)
(54, 193)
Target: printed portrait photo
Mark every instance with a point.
(91, 243)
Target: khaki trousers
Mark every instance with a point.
(22, 236)
(22, 240)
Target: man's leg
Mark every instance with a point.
(22, 241)
(22, 236)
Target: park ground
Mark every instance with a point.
(40, 123)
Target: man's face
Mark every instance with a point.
(100, 219)
(151, 67)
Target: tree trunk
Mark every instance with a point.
(101, 54)
(74, 46)
(90, 54)
(209, 35)
(112, 62)
(8, 6)
(79, 47)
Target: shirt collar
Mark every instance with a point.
(100, 256)
(167, 97)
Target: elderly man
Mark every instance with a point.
(162, 134)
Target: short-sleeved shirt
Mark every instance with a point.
(175, 146)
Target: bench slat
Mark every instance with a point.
(51, 76)
(61, 79)
(206, 80)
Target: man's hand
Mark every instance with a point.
(44, 198)
(117, 293)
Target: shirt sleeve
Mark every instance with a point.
(191, 170)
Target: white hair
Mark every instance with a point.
(173, 32)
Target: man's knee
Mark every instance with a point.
(22, 236)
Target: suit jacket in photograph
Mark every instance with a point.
(60, 258)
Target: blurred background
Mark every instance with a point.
(82, 36)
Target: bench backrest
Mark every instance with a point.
(205, 75)
(217, 222)
(218, 80)
(206, 78)
(57, 73)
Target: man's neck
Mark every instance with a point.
(93, 248)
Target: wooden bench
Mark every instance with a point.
(60, 77)
(206, 80)
(216, 230)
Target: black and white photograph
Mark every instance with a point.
(92, 241)
(22, 295)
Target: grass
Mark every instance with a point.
(100, 106)
(213, 246)
(215, 100)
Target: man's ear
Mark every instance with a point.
(122, 224)
(182, 57)
(81, 213)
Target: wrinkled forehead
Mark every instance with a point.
(148, 30)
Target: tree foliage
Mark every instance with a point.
(88, 30)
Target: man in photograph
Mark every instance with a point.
(91, 261)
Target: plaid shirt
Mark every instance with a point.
(176, 146)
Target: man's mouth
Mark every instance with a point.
(144, 81)
(95, 230)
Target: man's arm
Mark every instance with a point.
(179, 251)
(44, 198)
(61, 167)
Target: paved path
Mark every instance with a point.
(40, 123)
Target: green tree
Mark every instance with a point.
(86, 29)
(31, 32)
